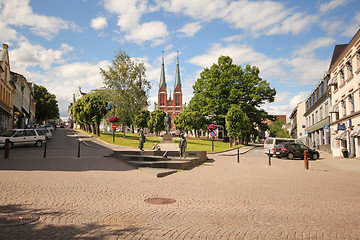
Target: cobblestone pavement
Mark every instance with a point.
(97, 197)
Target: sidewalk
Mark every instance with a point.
(348, 164)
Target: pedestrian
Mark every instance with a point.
(313, 145)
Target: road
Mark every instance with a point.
(98, 197)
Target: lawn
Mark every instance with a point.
(193, 144)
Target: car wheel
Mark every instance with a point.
(11, 145)
(38, 143)
(290, 156)
(315, 156)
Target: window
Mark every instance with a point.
(351, 102)
(312, 119)
(349, 68)
(343, 105)
(316, 116)
(326, 109)
(321, 113)
(358, 58)
(342, 76)
(30, 133)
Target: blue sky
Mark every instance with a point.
(62, 44)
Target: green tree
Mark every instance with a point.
(46, 104)
(142, 119)
(127, 87)
(277, 130)
(156, 122)
(225, 84)
(180, 121)
(95, 110)
(238, 123)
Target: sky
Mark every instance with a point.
(61, 45)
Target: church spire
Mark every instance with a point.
(177, 74)
(162, 76)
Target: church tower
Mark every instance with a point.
(171, 106)
(162, 95)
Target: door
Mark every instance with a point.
(30, 136)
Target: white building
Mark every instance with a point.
(298, 122)
(345, 98)
(317, 116)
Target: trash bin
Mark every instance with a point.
(345, 153)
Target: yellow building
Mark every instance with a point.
(6, 91)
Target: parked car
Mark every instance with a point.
(293, 150)
(270, 144)
(48, 133)
(23, 137)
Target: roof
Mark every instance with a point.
(338, 50)
(162, 76)
(177, 75)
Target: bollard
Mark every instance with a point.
(238, 156)
(306, 159)
(78, 150)
(269, 158)
(44, 151)
(7, 148)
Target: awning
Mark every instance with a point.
(355, 132)
(335, 108)
(341, 136)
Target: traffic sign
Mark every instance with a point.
(114, 126)
(212, 134)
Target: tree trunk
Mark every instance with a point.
(123, 129)
(98, 129)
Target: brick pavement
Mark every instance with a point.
(96, 197)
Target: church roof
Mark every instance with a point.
(177, 75)
(162, 76)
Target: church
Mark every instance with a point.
(172, 106)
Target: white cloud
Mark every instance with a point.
(19, 13)
(285, 102)
(313, 45)
(30, 55)
(296, 23)
(99, 23)
(353, 27)
(234, 38)
(156, 32)
(190, 29)
(331, 5)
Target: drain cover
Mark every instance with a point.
(17, 219)
(160, 200)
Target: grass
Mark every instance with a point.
(193, 144)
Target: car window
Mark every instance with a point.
(295, 146)
(269, 141)
(30, 133)
(40, 132)
(19, 134)
(8, 133)
(304, 147)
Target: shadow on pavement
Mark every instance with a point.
(62, 155)
(41, 230)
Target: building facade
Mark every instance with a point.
(345, 98)
(298, 122)
(6, 91)
(317, 116)
(172, 106)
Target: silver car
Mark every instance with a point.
(23, 137)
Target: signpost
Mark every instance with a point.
(212, 135)
(114, 126)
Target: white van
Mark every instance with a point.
(271, 142)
